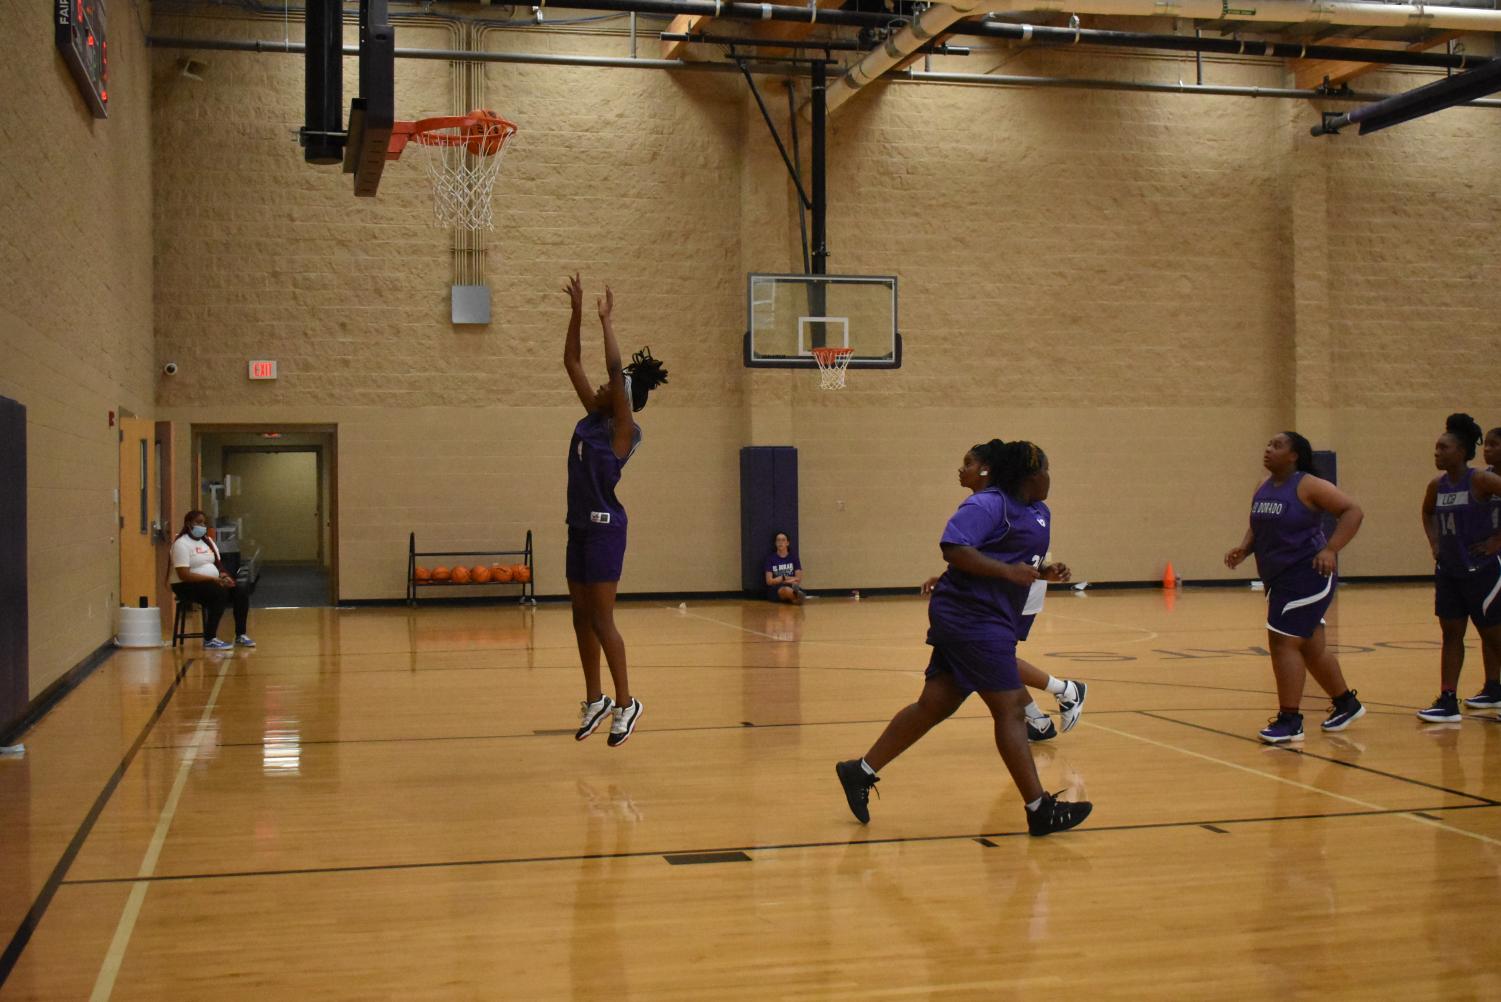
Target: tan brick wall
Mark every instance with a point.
(75, 315)
(1147, 285)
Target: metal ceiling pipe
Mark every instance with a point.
(1078, 83)
(902, 45)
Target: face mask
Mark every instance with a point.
(198, 531)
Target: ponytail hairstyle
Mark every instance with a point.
(1466, 431)
(1010, 462)
(1302, 449)
(643, 375)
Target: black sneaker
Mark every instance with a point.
(857, 785)
(1054, 815)
(1445, 710)
(1345, 711)
(1041, 729)
(1488, 698)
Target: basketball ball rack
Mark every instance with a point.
(528, 587)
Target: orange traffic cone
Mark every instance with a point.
(1169, 579)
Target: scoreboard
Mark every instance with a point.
(81, 40)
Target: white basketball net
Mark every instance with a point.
(832, 363)
(463, 163)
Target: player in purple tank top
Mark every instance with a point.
(1489, 697)
(1070, 694)
(994, 547)
(603, 441)
(1298, 566)
(1457, 516)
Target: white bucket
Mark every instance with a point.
(139, 627)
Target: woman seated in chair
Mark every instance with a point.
(201, 578)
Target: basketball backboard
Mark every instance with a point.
(787, 316)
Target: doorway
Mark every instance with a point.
(271, 494)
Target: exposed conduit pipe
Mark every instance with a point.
(1077, 83)
(213, 44)
(906, 42)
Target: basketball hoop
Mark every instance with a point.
(832, 363)
(462, 156)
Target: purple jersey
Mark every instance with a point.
(1284, 530)
(1463, 520)
(1495, 507)
(967, 607)
(593, 472)
(782, 567)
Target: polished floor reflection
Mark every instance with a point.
(383, 803)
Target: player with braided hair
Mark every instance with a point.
(1070, 694)
(994, 545)
(1458, 518)
(603, 442)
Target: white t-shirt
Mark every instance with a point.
(199, 556)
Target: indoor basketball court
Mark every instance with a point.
(865, 241)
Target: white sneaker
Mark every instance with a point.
(591, 715)
(624, 722)
(244, 641)
(215, 644)
(1071, 708)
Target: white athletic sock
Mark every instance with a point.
(1034, 712)
(866, 766)
(1035, 804)
(1056, 686)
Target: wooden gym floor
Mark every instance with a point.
(379, 803)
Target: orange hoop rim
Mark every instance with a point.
(477, 126)
(831, 354)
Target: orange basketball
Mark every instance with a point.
(486, 139)
(480, 574)
(422, 574)
(501, 573)
(441, 574)
(461, 575)
(521, 573)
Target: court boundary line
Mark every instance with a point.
(772, 847)
(58, 877)
(1408, 812)
(114, 956)
(1487, 801)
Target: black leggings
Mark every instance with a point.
(214, 597)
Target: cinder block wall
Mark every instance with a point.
(75, 316)
(1147, 285)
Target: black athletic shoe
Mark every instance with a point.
(857, 785)
(1054, 815)
(1041, 729)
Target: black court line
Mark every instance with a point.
(1487, 801)
(772, 847)
(690, 858)
(986, 843)
(58, 876)
(1220, 831)
(549, 732)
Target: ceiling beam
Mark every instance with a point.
(1310, 73)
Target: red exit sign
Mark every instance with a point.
(263, 369)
